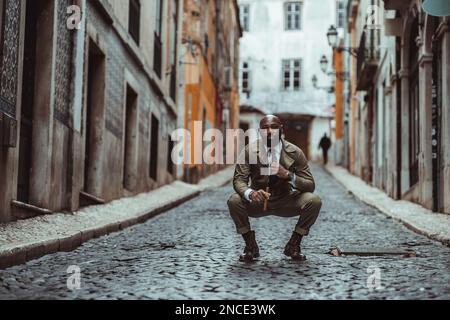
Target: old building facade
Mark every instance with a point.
(209, 64)
(88, 101)
(280, 55)
(399, 103)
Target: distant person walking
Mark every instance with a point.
(325, 145)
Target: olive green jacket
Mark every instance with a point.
(292, 158)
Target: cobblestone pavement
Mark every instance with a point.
(191, 252)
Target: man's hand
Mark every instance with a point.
(280, 171)
(259, 196)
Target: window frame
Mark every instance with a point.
(174, 48)
(290, 16)
(246, 70)
(159, 18)
(340, 14)
(245, 24)
(289, 68)
(157, 38)
(134, 5)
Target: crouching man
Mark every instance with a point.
(286, 191)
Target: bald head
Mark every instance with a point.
(270, 120)
(271, 130)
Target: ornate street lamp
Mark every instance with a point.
(332, 36)
(324, 64)
(315, 80)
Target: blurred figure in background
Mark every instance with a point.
(325, 145)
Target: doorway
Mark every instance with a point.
(154, 146)
(131, 130)
(26, 119)
(398, 110)
(36, 55)
(437, 128)
(94, 118)
(297, 132)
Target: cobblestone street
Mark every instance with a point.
(191, 252)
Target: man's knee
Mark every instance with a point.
(316, 201)
(234, 201)
(312, 201)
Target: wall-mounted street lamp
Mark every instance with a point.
(332, 36)
(324, 64)
(315, 80)
(191, 47)
(343, 76)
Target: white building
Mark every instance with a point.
(281, 49)
(400, 105)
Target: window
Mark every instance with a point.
(134, 19)
(340, 14)
(292, 74)
(174, 32)
(159, 17)
(173, 51)
(157, 45)
(292, 16)
(245, 17)
(245, 77)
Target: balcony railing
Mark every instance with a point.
(367, 61)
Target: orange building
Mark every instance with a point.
(209, 61)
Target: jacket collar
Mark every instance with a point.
(287, 154)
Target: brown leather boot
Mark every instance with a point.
(251, 251)
(293, 249)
